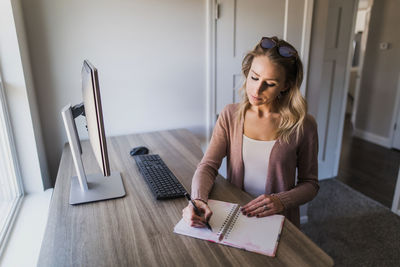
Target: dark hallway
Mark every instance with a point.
(368, 168)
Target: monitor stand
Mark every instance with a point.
(99, 188)
(93, 187)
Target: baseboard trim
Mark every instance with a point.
(303, 219)
(396, 212)
(303, 213)
(396, 199)
(373, 138)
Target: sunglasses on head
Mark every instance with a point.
(283, 50)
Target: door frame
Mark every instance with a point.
(387, 142)
(211, 31)
(212, 13)
(395, 116)
(346, 90)
(361, 64)
(396, 198)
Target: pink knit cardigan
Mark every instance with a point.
(302, 154)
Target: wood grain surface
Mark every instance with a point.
(137, 230)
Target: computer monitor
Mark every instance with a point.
(94, 115)
(98, 186)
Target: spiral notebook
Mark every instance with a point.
(232, 228)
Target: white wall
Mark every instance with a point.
(20, 94)
(317, 46)
(396, 197)
(378, 91)
(150, 56)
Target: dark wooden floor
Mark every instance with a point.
(368, 168)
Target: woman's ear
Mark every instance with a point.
(285, 89)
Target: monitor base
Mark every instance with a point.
(100, 188)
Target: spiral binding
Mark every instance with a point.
(230, 220)
(232, 224)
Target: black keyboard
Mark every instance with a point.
(158, 176)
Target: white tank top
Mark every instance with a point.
(256, 155)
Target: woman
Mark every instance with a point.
(266, 138)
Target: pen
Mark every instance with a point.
(196, 210)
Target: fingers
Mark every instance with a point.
(254, 201)
(194, 220)
(260, 209)
(207, 213)
(263, 206)
(197, 224)
(255, 204)
(190, 217)
(266, 213)
(204, 209)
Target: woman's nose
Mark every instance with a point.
(261, 87)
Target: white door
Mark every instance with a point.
(241, 24)
(334, 82)
(396, 197)
(396, 119)
(396, 134)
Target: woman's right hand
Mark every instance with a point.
(194, 220)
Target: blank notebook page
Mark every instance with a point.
(255, 234)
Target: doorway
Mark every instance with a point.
(240, 24)
(367, 162)
(234, 27)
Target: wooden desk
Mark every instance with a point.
(137, 230)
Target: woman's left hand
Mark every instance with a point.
(264, 205)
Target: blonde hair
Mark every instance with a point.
(290, 104)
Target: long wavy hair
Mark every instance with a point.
(290, 104)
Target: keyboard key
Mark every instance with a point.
(160, 179)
